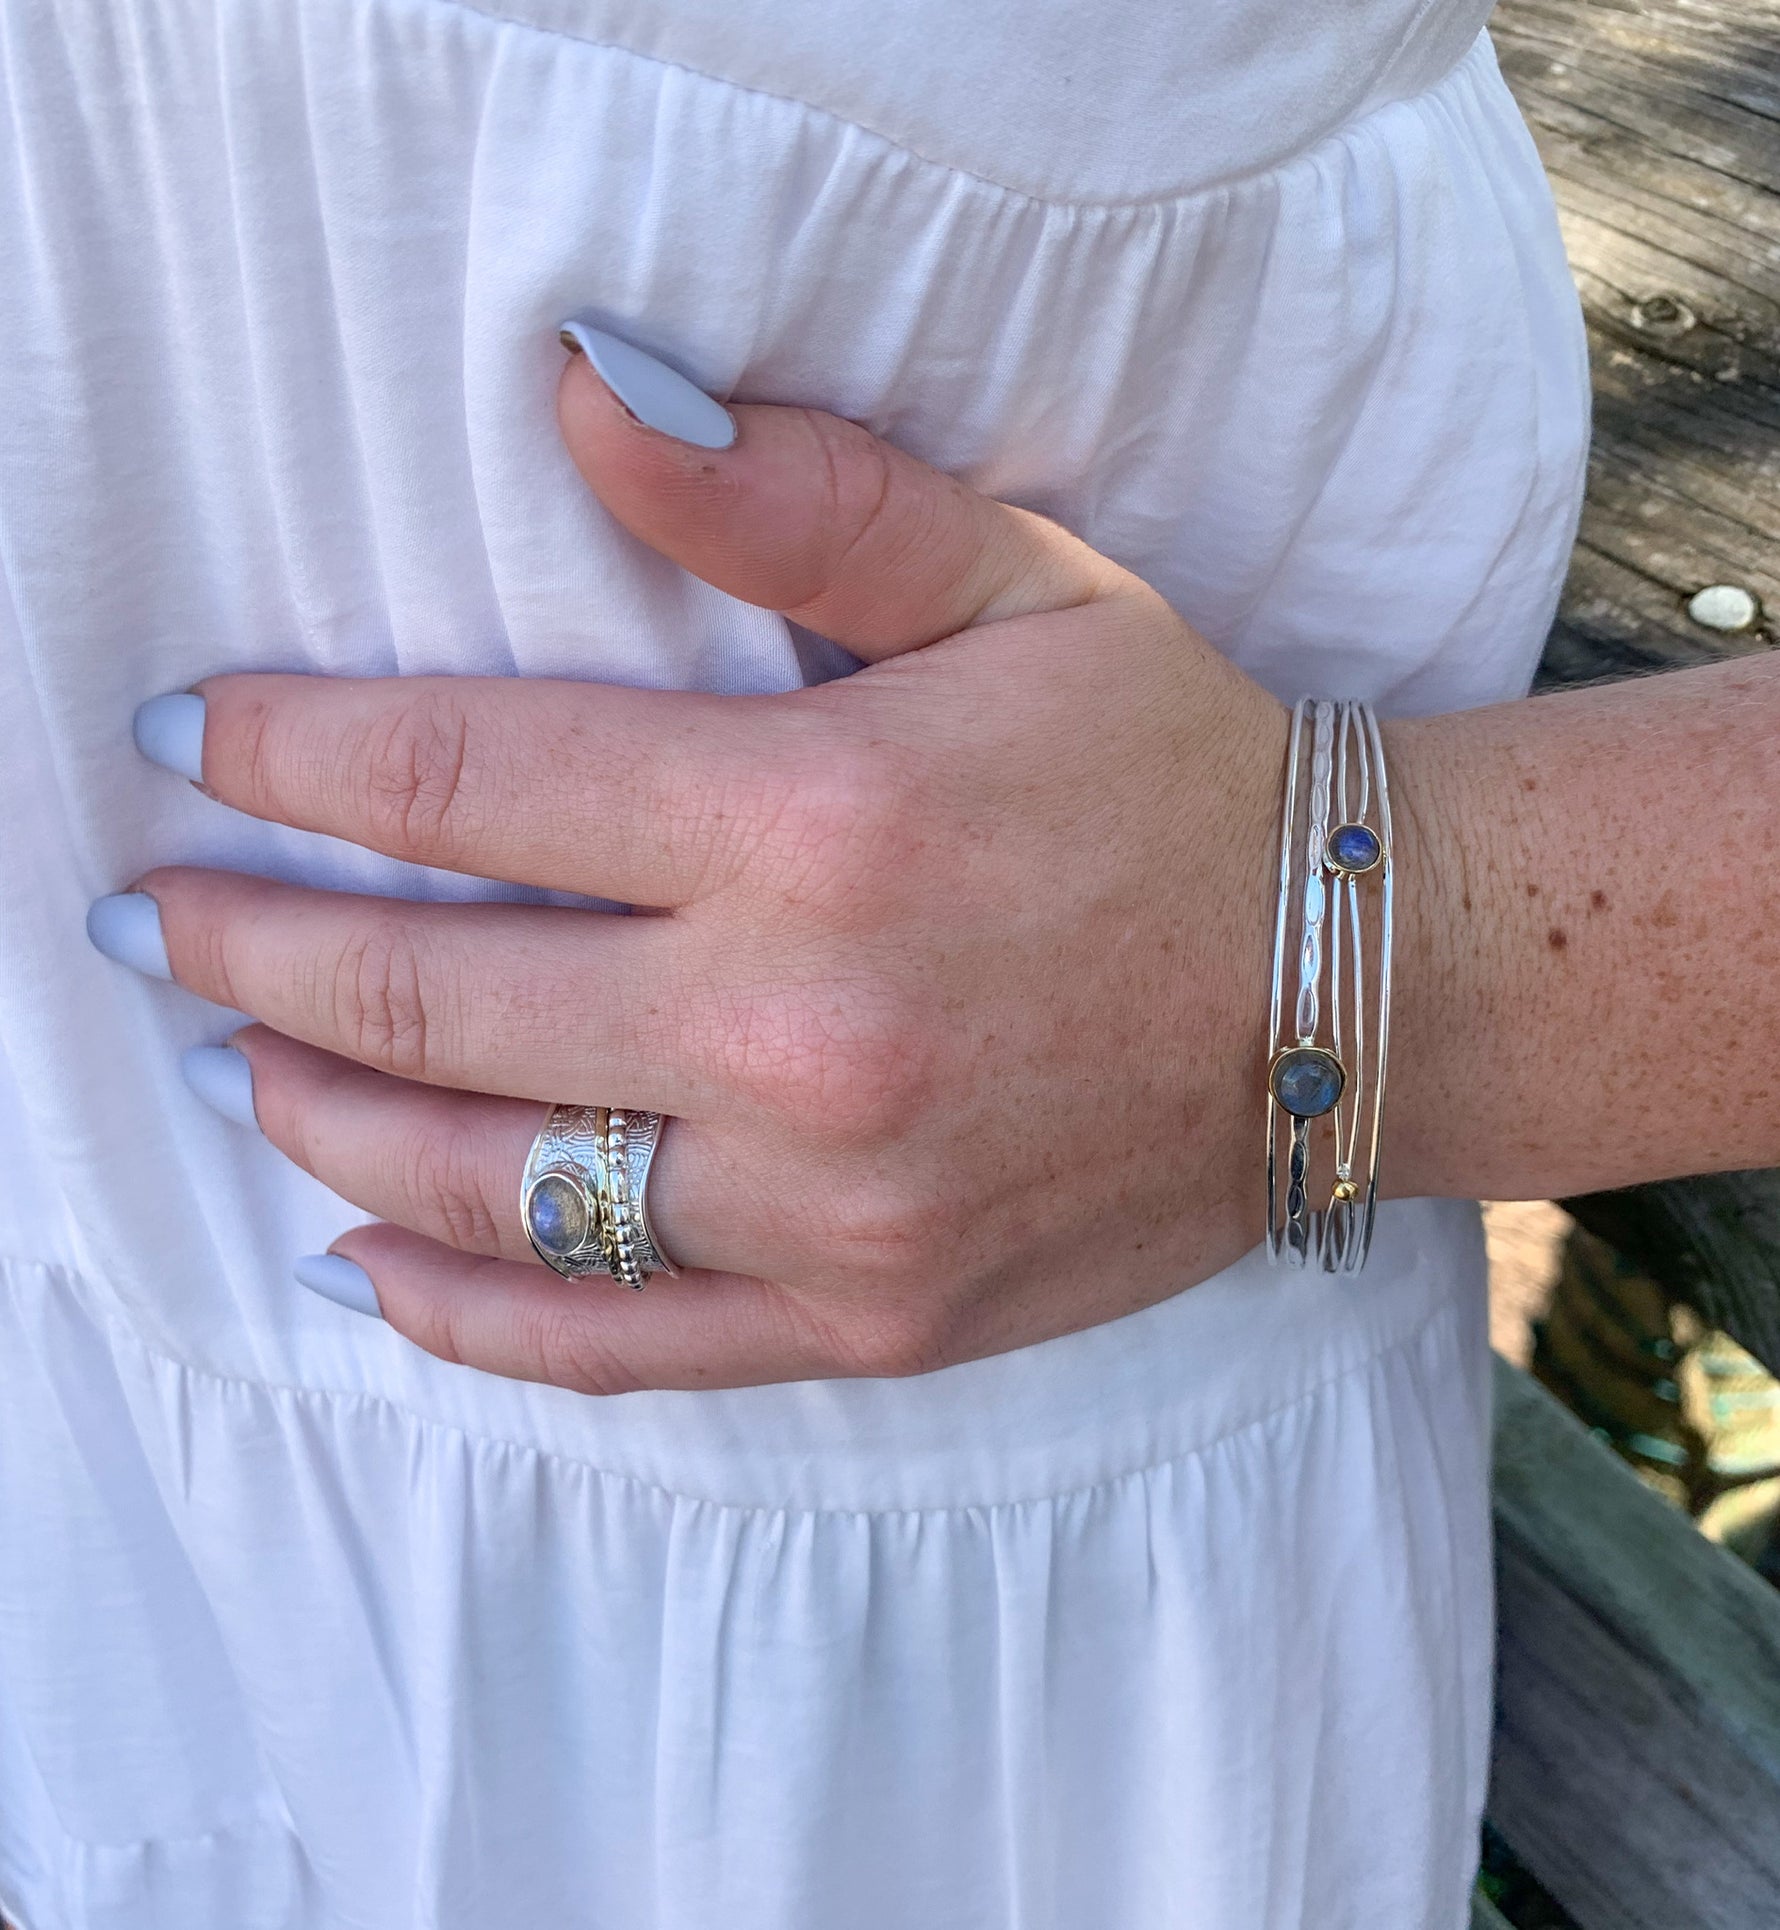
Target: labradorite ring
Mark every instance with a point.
(584, 1195)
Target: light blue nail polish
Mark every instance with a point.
(340, 1280)
(127, 927)
(223, 1079)
(169, 731)
(659, 397)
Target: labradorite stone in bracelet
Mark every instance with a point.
(1353, 848)
(1307, 1081)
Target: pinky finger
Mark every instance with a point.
(591, 1336)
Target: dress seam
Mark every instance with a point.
(336, 1396)
(1164, 200)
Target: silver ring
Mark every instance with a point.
(642, 1135)
(583, 1197)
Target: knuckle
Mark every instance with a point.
(203, 927)
(248, 754)
(413, 774)
(435, 1322)
(558, 1345)
(858, 484)
(436, 1327)
(898, 1341)
(380, 1012)
(442, 1174)
(843, 828)
(207, 952)
(878, 1231)
(569, 1350)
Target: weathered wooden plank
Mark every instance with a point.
(1637, 1754)
(1643, 514)
(1587, 122)
(1711, 66)
(1616, 622)
(1657, 201)
(1656, 120)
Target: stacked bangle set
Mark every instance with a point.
(1329, 1021)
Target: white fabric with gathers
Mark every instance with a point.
(1179, 1624)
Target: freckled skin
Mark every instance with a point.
(1629, 1040)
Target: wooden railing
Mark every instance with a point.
(1637, 1751)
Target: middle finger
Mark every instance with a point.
(529, 1001)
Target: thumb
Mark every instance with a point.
(804, 513)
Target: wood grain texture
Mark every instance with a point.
(1659, 124)
(1637, 1754)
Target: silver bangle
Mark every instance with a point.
(1335, 889)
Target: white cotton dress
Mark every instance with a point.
(1179, 1624)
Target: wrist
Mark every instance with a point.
(1451, 986)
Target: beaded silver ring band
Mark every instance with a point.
(1335, 898)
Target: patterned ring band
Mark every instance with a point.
(584, 1195)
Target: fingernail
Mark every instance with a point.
(223, 1079)
(340, 1280)
(169, 731)
(127, 927)
(659, 397)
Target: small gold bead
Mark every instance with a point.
(1345, 1189)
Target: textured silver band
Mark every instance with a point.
(583, 1195)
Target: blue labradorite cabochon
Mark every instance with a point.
(1307, 1081)
(556, 1214)
(1353, 847)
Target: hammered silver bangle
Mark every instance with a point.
(1326, 1057)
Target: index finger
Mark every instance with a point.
(638, 795)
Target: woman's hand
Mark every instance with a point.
(956, 998)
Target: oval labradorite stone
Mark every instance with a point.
(1353, 847)
(1307, 1081)
(556, 1214)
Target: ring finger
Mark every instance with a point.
(448, 1164)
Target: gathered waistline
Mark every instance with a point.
(1068, 1417)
